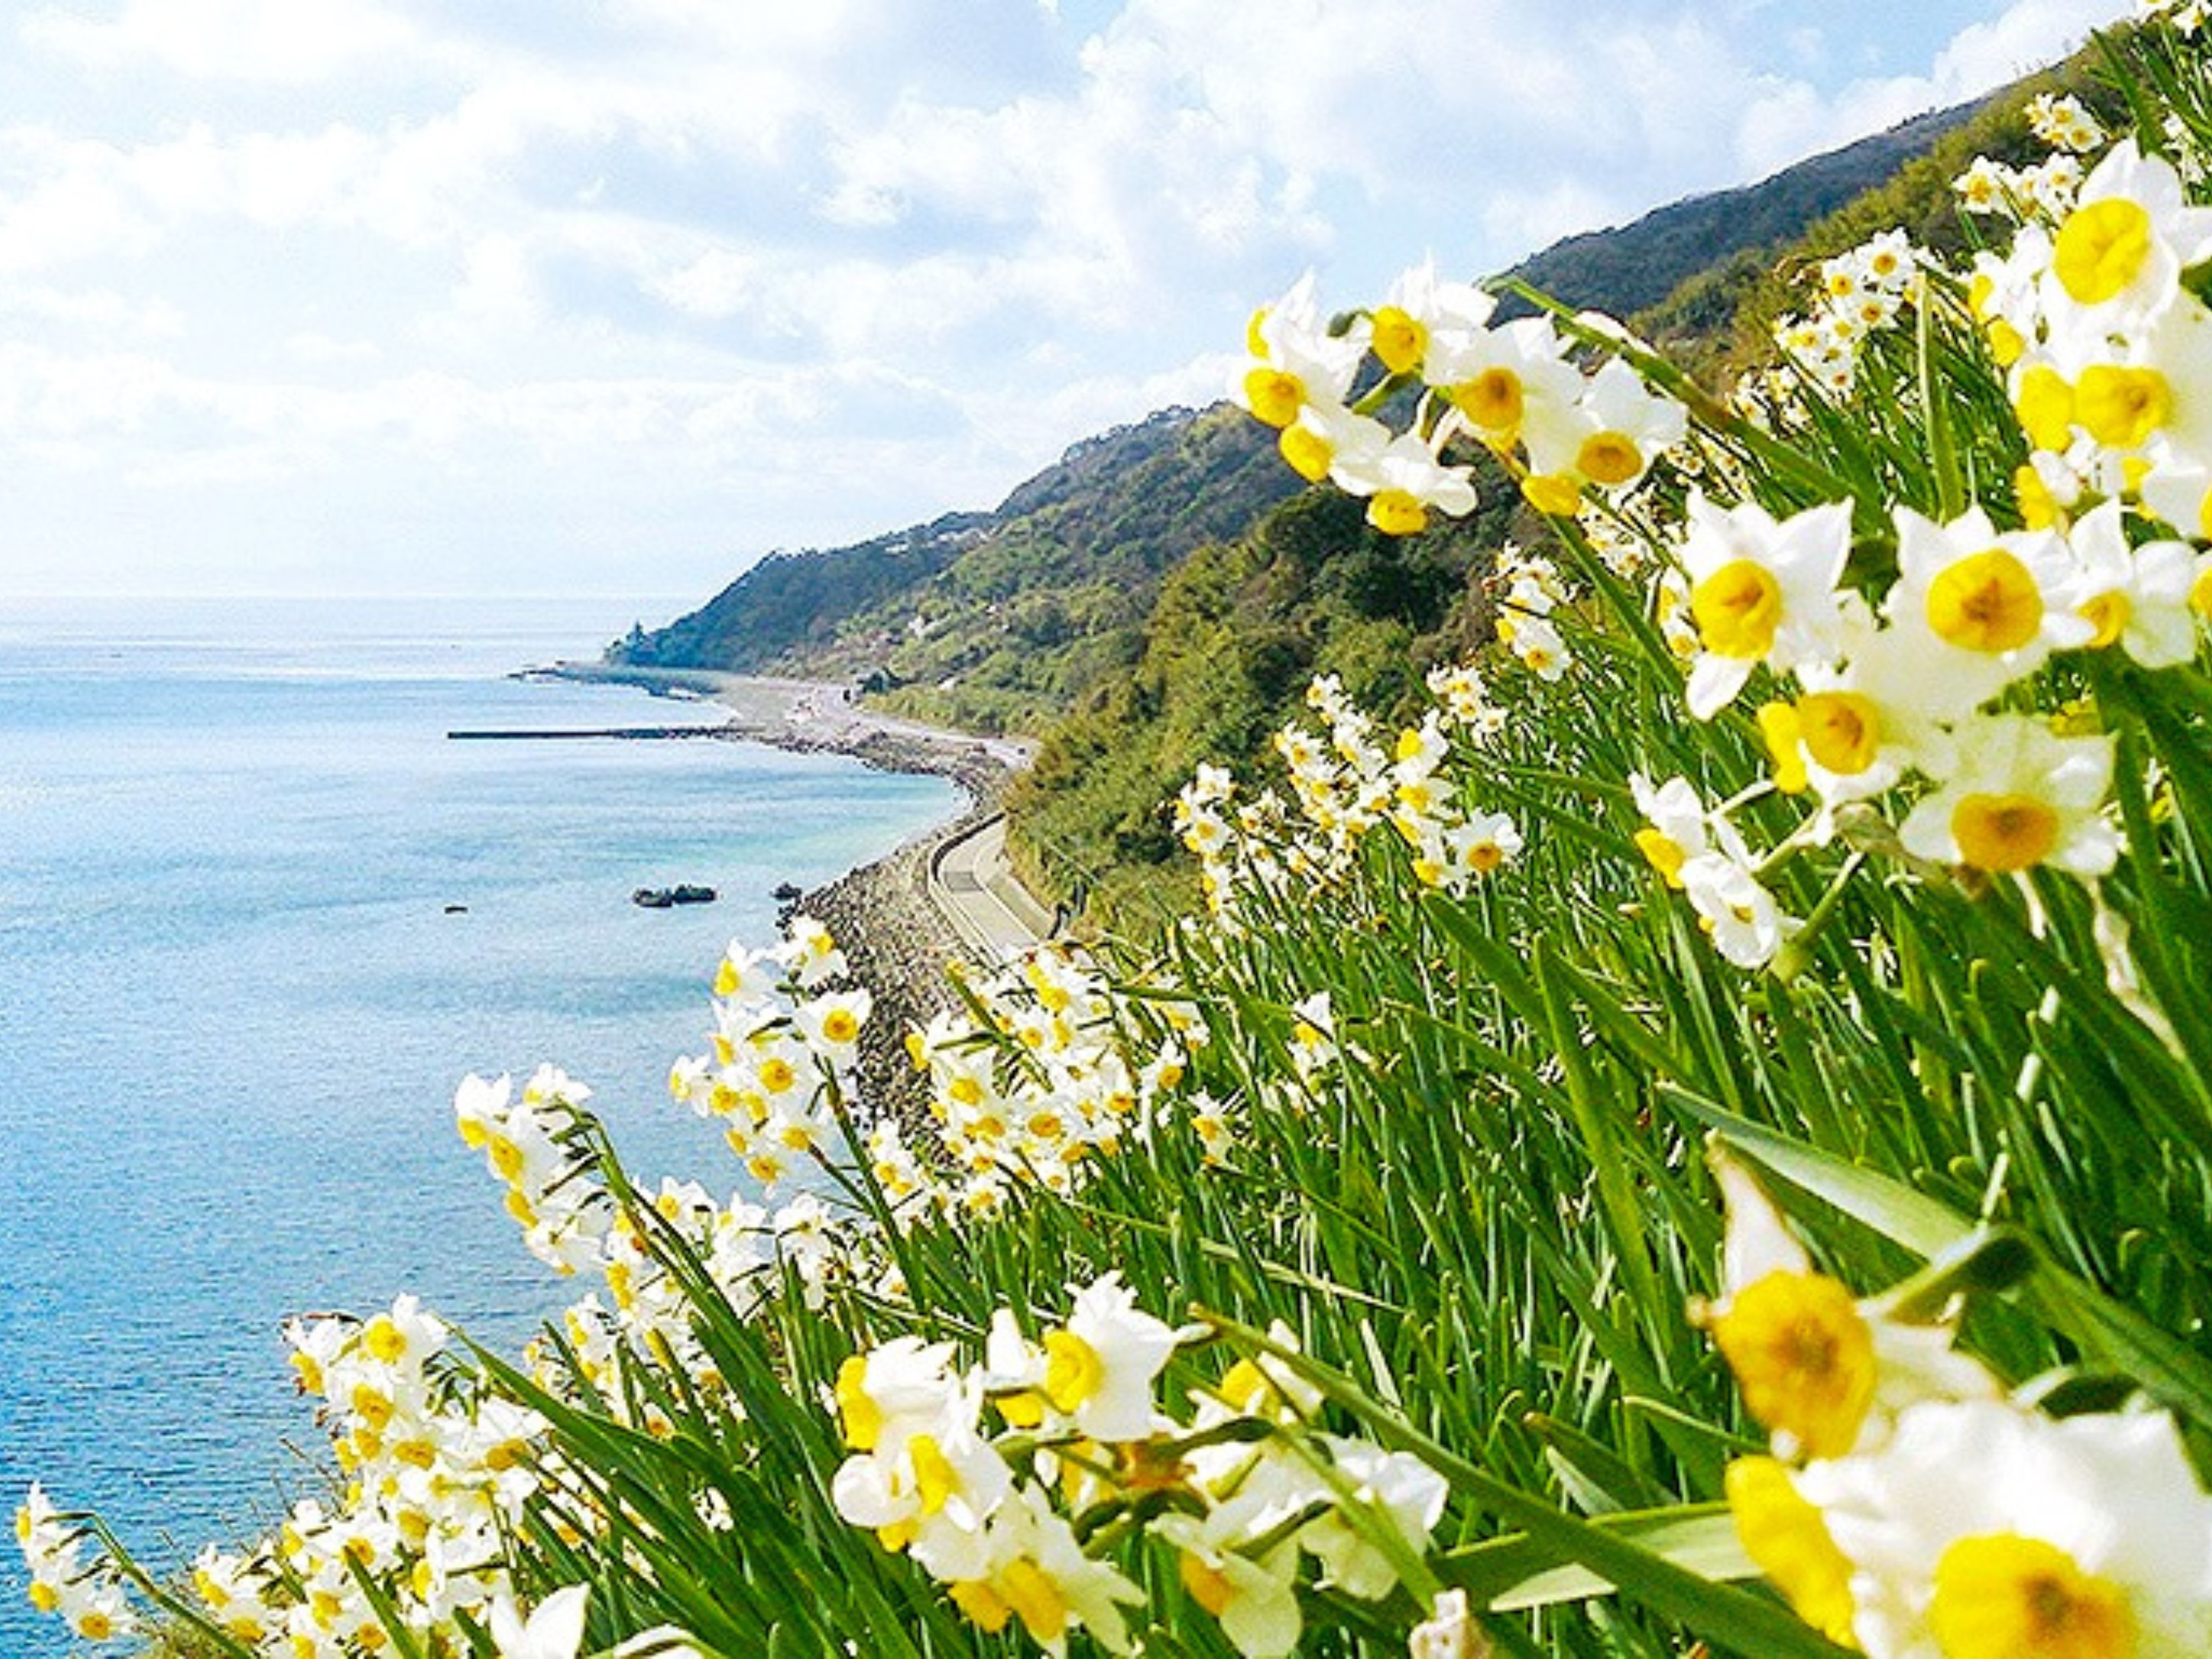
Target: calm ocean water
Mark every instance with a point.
(234, 1007)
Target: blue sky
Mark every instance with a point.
(538, 295)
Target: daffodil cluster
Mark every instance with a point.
(1913, 1508)
(1860, 292)
(1048, 1068)
(1345, 783)
(1903, 705)
(1514, 388)
(1242, 1494)
(2108, 350)
(87, 1596)
(783, 1048)
(436, 1472)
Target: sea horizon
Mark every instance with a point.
(257, 918)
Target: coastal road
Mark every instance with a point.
(971, 882)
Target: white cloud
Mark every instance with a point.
(1793, 118)
(292, 42)
(684, 260)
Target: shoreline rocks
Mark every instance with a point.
(899, 944)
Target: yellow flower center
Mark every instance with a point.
(1485, 856)
(983, 1604)
(2200, 591)
(2101, 249)
(1492, 400)
(1073, 1371)
(1208, 1586)
(1779, 725)
(862, 1418)
(1803, 1356)
(1610, 458)
(1842, 730)
(2003, 833)
(44, 1596)
(1987, 602)
(384, 1339)
(840, 1025)
(2109, 613)
(1311, 455)
(1399, 339)
(2121, 408)
(1397, 513)
(2039, 508)
(2006, 344)
(1274, 396)
(934, 1478)
(2002, 1596)
(1737, 609)
(1786, 1536)
(776, 1074)
(94, 1625)
(2044, 405)
(372, 1408)
(1663, 853)
(506, 1157)
(1036, 1598)
(1558, 494)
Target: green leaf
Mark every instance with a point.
(1514, 1574)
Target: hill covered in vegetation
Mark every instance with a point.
(996, 621)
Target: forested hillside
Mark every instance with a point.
(996, 621)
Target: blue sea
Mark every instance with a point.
(234, 1000)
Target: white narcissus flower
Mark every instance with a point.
(1254, 1596)
(1295, 360)
(1983, 1530)
(1736, 909)
(1401, 1490)
(1607, 438)
(2016, 795)
(1761, 591)
(1403, 481)
(2137, 598)
(809, 953)
(1038, 1573)
(1984, 608)
(1495, 380)
(931, 1492)
(553, 1630)
(1678, 827)
(1327, 441)
(904, 1387)
(831, 1023)
(1827, 1375)
(1853, 730)
(1100, 1367)
(2117, 260)
(1418, 314)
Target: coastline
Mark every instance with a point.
(892, 921)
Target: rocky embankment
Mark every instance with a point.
(899, 943)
